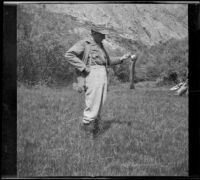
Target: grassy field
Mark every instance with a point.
(145, 133)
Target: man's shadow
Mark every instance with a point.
(105, 125)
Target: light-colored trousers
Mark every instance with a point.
(96, 92)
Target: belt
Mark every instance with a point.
(93, 63)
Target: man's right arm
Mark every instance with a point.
(118, 60)
(73, 54)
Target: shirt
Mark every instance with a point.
(96, 55)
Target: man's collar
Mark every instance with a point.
(92, 41)
(89, 39)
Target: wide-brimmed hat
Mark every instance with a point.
(99, 30)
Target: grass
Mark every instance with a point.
(146, 134)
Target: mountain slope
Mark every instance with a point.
(148, 24)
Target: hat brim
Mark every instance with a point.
(104, 32)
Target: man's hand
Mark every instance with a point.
(133, 57)
(125, 56)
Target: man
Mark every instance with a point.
(90, 59)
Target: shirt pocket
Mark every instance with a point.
(94, 56)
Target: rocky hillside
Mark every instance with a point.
(158, 32)
(143, 24)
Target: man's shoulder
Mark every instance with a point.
(84, 41)
(88, 40)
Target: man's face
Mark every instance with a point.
(98, 37)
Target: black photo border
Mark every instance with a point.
(9, 89)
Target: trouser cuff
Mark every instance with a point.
(86, 121)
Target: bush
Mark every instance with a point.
(169, 61)
(41, 46)
(112, 79)
(122, 72)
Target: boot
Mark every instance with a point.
(88, 127)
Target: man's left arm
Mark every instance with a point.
(118, 60)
